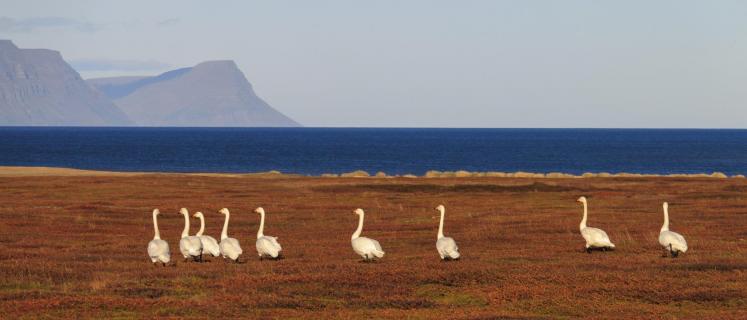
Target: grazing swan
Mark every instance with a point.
(158, 250)
(190, 246)
(367, 248)
(595, 238)
(446, 246)
(229, 247)
(209, 244)
(267, 246)
(670, 240)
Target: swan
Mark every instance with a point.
(446, 246)
(209, 244)
(670, 240)
(158, 250)
(267, 246)
(190, 246)
(595, 238)
(229, 247)
(367, 248)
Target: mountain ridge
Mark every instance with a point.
(37, 87)
(210, 94)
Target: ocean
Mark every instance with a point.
(313, 151)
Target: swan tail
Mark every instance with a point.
(454, 255)
(378, 253)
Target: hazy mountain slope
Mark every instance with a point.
(213, 93)
(37, 87)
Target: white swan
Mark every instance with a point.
(229, 247)
(158, 250)
(670, 240)
(595, 238)
(267, 246)
(190, 246)
(446, 246)
(209, 244)
(367, 248)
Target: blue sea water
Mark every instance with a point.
(313, 151)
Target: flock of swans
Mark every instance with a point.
(369, 249)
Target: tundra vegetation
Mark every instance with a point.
(75, 247)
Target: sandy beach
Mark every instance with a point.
(75, 246)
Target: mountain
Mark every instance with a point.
(210, 94)
(37, 87)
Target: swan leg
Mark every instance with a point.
(588, 250)
(672, 252)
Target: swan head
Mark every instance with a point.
(156, 212)
(198, 215)
(440, 207)
(184, 211)
(358, 211)
(223, 211)
(581, 199)
(259, 210)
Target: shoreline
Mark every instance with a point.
(23, 171)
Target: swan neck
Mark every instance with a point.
(582, 225)
(185, 232)
(224, 233)
(202, 226)
(665, 226)
(441, 224)
(358, 231)
(260, 232)
(157, 234)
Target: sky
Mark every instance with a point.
(390, 63)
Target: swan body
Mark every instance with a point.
(670, 240)
(229, 247)
(267, 246)
(209, 244)
(158, 250)
(595, 238)
(189, 246)
(367, 248)
(446, 246)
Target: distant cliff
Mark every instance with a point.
(210, 94)
(37, 87)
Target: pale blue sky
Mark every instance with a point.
(428, 63)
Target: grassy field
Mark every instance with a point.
(75, 247)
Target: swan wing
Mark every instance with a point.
(276, 243)
(596, 238)
(675, 239)
(230, 248)
(367, 247)
(268, 246)
(210, 245)
(378, 252)
(194, 246)
(447, 248)
(158, 251)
